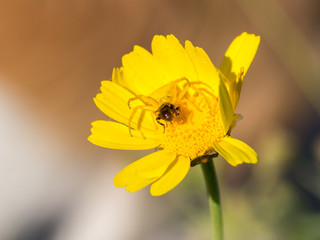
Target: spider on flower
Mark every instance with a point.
(167, 108)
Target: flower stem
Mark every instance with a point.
(213, 197)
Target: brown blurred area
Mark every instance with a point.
(56, 185)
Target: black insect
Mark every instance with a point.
(166, 112)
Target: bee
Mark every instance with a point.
(167, 111)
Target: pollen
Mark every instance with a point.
(198, 125)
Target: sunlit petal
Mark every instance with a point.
(113, 101)
(205, 70)
(173, 176)
(235, 151)
(115, 135)
(174, 57)
(239, 55)
(226, 107)
(236, 63)
(145, 170)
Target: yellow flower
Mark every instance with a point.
(173, 99)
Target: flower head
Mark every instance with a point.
(175, 100)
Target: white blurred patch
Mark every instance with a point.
(104, 213)
(39, 182)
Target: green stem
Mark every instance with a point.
(213, 197)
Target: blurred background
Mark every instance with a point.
(56, 185)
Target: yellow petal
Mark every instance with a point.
(239, 55)
(113, 101)
(173, 176)
(225, 105)
(120, 78)
(236, 63)
(139, 183)
(205, 70)
(115, 135)
(234, 89)
(133, 176)
(144, 73)
(169, 51)
(235, 151)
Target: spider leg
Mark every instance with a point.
(176, 97)
(143, 113)
(133, 113)
(145, 99)
(202, 91)
(183, 92)
(202, 83)
(182, 79)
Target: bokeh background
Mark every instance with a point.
(56, 185)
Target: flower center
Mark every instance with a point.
(198, 125)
